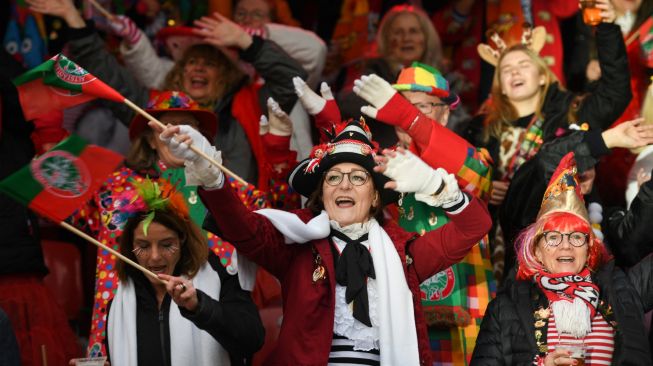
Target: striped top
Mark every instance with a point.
(599, 342)
(343, 354)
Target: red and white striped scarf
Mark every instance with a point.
(573, 298)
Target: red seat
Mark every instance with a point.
(65, 278)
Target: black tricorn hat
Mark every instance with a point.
(351, 142)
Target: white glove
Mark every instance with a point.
(263, 125)
(198, 170)
(451, 198)
(375, 91)
(312, 102)
(279, 122)
(203, 173)
(434, 187)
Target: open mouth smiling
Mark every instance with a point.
(345, 202)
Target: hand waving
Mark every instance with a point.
(219, 31)
(629, 135)
(61, 8)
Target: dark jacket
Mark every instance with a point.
(599, 109)
(507, 334)
(233, 320)
(270, 61)
(20, 249)
(629, 234)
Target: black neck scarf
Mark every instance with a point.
(353, 267)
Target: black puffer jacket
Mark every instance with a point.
(599, 109)
(629, 234)
(507, 335)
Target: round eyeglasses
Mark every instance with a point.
(356, 177)
(575, 238)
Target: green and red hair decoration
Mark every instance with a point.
(150, 196)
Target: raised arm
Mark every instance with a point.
(304, 46)
(434, 143)
(252, 234)
(88, 50)
(469, 219)
(269, 60)
(612, 94)
(141, 59)
(277, 69)
(450, 243)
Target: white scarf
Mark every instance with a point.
(398, 334)
(189, 345)
(572, 317)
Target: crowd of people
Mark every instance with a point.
(397, 182)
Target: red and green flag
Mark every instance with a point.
(62, 179)
(59, 84)
(646, 41)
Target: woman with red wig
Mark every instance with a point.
(568, 291)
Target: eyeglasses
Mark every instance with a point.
(356, 177)
(427, 108)
(554, 238)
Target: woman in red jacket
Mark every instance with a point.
(350, 281)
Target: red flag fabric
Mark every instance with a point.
(63, 179)
(57, 84)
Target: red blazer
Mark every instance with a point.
(307, 329)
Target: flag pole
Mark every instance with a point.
(195, 149)
(82, 234)
(102, 10)
(44, 355)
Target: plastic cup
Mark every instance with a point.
(578, 351)
(91, 361)
(591, 14)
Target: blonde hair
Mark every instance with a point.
(228, 72)
(432, 44)
(501, 111)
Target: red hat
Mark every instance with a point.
(169, 101)
(175, 31)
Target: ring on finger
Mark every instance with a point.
(183, 287)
